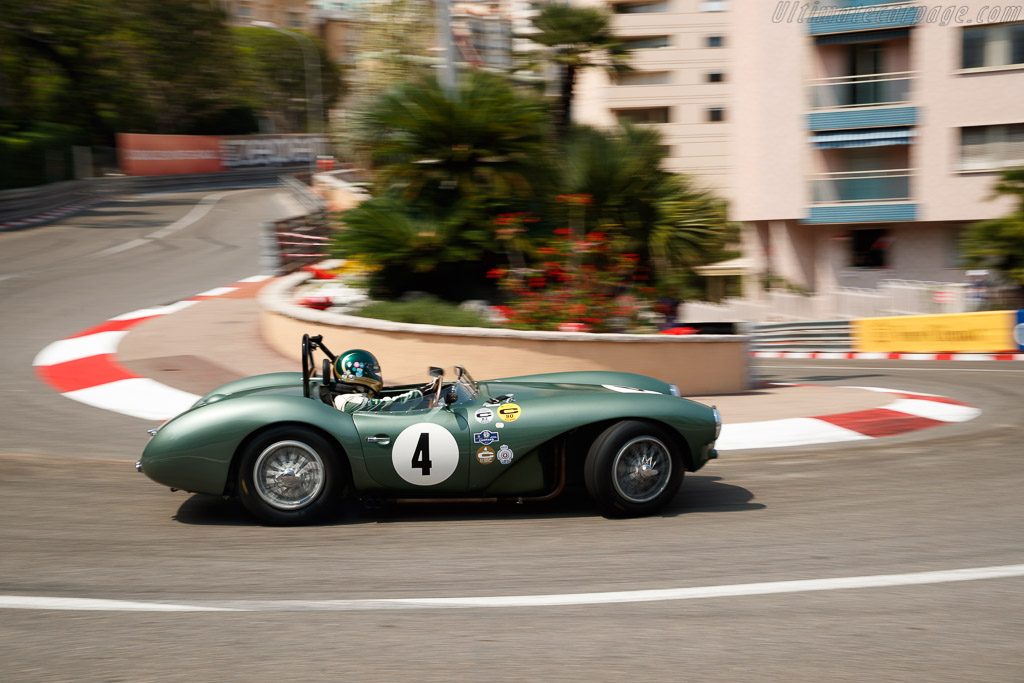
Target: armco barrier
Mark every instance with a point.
(985, 332)
(697, 364)
(31, 201)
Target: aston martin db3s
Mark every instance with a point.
(293, 445)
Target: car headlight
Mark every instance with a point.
(718, 421)
(673, 389)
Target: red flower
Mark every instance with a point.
(561, 231)
(495, 273)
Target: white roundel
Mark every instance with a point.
(425, 454)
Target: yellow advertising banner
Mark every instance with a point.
(985, 332)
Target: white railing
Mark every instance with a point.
(870, 90)
(892, 297)
(851, 187)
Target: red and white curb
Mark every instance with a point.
(84, 367)
(865, 355)
(909, 412)
(45, 217)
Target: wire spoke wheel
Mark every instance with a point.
(289, 475)
(642, 469)
(634, 468)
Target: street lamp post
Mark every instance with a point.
(314, 96)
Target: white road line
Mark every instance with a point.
(197, 212)
(617, 597)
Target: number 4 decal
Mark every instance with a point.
(421, 456)
(425, 454)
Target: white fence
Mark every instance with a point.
(892, 297)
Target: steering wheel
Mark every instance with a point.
(307, 363)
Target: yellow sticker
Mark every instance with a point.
(509, 412)
(485, 455)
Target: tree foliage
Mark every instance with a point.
(999, 243)
(487, 142)
(578, 38)
(665, 218)
(151, 66)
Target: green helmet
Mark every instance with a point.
(359, 368)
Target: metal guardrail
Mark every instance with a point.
(806, 335)
(27, 202)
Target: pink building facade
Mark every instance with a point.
(867, 136)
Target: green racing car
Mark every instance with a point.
(292, 445)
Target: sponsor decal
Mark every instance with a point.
(505, 455)
(485, 455)
(628, 390)
(484, 415)
(509, 412)
(499, 425)
(485, 437)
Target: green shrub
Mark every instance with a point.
(426, 310)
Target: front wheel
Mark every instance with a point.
(289, 475)
(633, 469)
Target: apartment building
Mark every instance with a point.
(682, 83)
(868, 134)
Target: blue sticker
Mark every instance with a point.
(1018, 331)
(359, 372)
(485, 437)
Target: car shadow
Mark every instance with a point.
(698, 494)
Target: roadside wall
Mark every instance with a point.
(703, 364)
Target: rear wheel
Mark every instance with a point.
(633, 468)
(290, 475)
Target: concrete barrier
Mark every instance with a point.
(698, 365)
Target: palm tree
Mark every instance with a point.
(664, 217)
(489, 141)
(579, 38)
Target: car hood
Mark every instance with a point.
(592, 381)
(272, 383)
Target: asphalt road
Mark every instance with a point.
(80, 523)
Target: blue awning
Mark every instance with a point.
(862, 37)
(865, 137)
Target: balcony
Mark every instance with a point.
(850, 18)
(862, 117)
(872, 90)
(862, 197)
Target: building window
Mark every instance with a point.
(641, 7)
(243, 11)
(716, 77)
(715, 41)
(646, 43)
(991, 147)
(647, 115)
(716, 114)
(869, 248)
(990, 46)
(294, 20)
(714, 5)
(642, 78)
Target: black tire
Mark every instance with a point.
(290, 476)
(625, 469)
